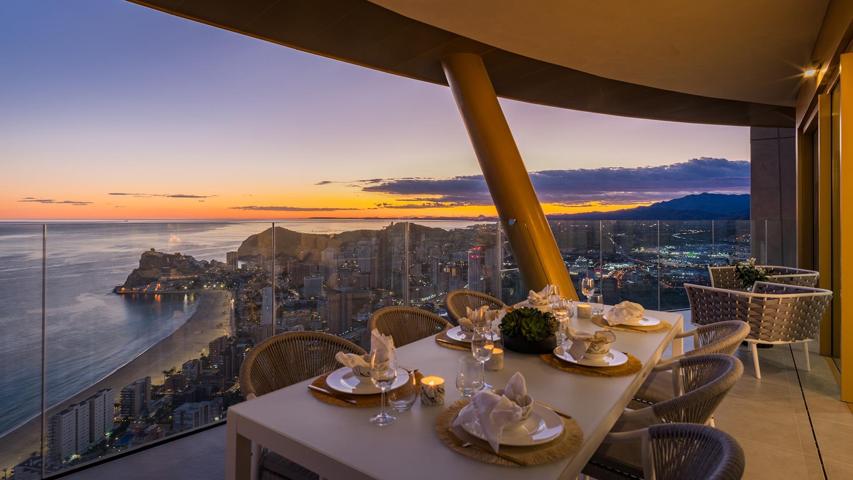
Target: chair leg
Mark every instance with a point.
(754, 347)
(806, 353)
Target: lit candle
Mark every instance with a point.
(584, 310)
(432, 391)
(496, 361)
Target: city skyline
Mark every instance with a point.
(229, 127)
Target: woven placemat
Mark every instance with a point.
(443, 340)
(633, 366)
(663, 325)
(562, 447)
(339, 399)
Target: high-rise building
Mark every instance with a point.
(313, 286)
(267, 306)
(77, 427)
(62, 435)
(192, 415)
(476, 277)
(135, 398)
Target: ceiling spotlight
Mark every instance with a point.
(810, 72)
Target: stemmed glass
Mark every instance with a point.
(588, 287)
(383, 373)
(481, 348)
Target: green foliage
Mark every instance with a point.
(529, 323)
(748, 273)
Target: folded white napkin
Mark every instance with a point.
(466, 325)
(582, 340)
(352, 360)
(542, 297)
(382, 346)
(479, 316)
(495, 412)
(628, 313)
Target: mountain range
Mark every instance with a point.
(702, 206)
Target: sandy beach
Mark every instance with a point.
(211, 320)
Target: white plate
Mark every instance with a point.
(457, 334)
(644, 322)
(542, 426)
(613, 359)
(343, 380)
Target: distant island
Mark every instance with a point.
(702, 206)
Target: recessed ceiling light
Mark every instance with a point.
(810, 72)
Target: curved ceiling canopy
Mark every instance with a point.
(747, 50)
(641, 64)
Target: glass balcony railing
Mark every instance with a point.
(116, 335)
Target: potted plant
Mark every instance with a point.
(529, 330)
(748, 273)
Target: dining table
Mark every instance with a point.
(340, 443)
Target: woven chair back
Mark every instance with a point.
(774, 312)
(407, 324)
(683, 450)
(289, 358)
(705, 379)
(458, 300)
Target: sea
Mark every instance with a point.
(90, 331)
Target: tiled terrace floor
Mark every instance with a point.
(786, 431)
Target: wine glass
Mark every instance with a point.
(481, 348)
(383, 373)
(468, 378)
(588, 287)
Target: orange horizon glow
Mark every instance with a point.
(221, 208)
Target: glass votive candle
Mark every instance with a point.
(597, 304)
(432, 391)
(496, 361)
(584, 310)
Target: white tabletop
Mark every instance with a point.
(339, 442)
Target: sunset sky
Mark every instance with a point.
(109, 110)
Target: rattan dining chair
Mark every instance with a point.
(726, 276)
(407, 324)
(673, 451)
(776, 313)
(722, 337)
(281, 361)
(699, 384)
(458, 300)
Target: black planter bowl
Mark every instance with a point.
(522, 345)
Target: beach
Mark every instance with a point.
(212, 319)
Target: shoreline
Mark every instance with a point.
(211, 319)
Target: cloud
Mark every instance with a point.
(50, 201)
(162, 195)
(324, 182)
(285, 208)
(421, 205)
(615, 185)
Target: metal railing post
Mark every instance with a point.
(43, 349)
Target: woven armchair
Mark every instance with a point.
(457, 300)
(776, 313)
(725, 277)
(673, 452)
(723, 338)
(281, 361)
(290, 358)
(407, 324)
(699, 385)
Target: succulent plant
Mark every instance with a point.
(748, 273)
(529, 323)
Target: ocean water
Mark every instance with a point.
(91, 331)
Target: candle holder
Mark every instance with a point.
(496, 361)
(432, 391)
(584, 310)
